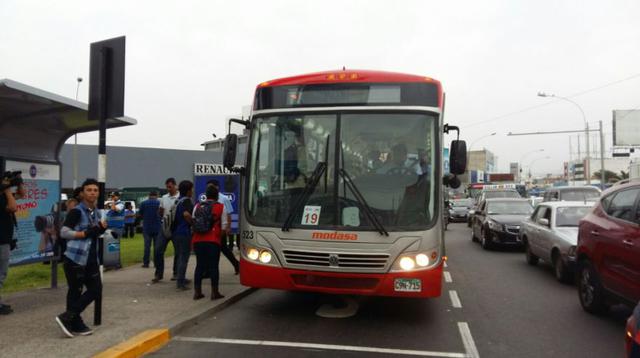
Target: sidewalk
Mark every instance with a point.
(131, 304)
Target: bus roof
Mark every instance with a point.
(342, 76)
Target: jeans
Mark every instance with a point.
(207, 260)
(149, 238)
(77, 277)
(158, 258)
(129, 230)
(183, 251)
(5, 251)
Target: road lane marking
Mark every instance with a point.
(455, 300)
(334, 347)
(447, 276)
(467, 340)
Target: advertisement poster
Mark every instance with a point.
(229, 186)
(36, 214)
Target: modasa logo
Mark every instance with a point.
(341, 236)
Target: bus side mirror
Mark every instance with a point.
(229, 152)
(458, 157)
(451, 181)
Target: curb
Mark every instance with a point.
(153, 339)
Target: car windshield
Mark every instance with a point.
(580, 195)
(501, 194)
(463, 203)
(509, 208)
(571, 215)
(389, 164)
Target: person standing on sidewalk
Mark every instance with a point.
(8, 226)
(129, 221)
(224, 247)
(150, 226)
(166, 202)
(115, 215)
(182, 232)
(82, 227)
(207, 246)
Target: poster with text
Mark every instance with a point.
(36, 215)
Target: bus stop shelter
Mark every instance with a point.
(34, 125)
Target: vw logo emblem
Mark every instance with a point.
(333, 260)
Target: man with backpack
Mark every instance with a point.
(182, 231)
(209, 222)
(167, 202)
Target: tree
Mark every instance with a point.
(609, 176)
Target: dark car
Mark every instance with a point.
(608, 250)
(492, 194)
(498, 221)
(632, 334)
(459, 209)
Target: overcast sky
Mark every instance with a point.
(190, 65)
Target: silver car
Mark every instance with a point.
(551, 234)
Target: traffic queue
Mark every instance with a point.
(590, 238)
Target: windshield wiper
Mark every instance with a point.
(367, 209)
(321, 167)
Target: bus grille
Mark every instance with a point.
(325, 259)
(365, 283)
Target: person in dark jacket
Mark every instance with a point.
(149, 213)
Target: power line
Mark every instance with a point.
(526, 109)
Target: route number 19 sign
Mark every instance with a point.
(311, 215)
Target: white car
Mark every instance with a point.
(551, 234)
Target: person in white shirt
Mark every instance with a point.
(166, 202)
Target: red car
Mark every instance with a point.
(608, 251)
(632, 337)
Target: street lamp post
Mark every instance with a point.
(533, 161)
(75, 144)
(474, 142)
(586, 131)
(525, 155)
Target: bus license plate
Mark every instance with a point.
(408, 285)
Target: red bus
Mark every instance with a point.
(342, 184)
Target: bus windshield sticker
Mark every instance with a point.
(351, 216)
(311, 215)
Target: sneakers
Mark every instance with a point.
(66, 322)
(145, 265)
(156, 279)
(5, 309)
(80, 328)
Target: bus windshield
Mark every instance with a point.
(377, 164)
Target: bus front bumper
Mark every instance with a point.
(423, 283)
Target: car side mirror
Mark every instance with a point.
(543, 222)
(458, 157)
(229, 152)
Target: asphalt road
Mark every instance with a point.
(495, 306)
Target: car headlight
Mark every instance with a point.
(416, 261)
(495, 226)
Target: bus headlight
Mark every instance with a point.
(410, 261)
(422, 260)
(253, 254)
(265, 257)
(407, 263)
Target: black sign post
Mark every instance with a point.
(106, 100)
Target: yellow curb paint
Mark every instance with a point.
(136, 346)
